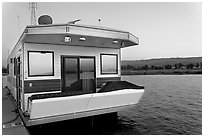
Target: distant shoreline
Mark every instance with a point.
(160, 72)
(155, 72)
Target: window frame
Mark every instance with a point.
(53, 72)
(102, 73)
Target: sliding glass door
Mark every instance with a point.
(87, 74)
(78, 75)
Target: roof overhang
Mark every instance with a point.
(79, 35)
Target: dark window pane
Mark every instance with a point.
(87, 74)
(71, 73)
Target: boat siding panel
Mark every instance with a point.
(11, 78)
(49, 85)
(101, 81)
(33, 86)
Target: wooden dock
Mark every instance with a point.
(11, 121)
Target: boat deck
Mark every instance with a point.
(11, 121)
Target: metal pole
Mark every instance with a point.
(19, 26)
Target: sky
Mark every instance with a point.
(165, 30)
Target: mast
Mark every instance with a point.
(33, 7)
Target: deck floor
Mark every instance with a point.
(11, 121)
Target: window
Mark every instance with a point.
(109, 64)
(7, 69)
(15, 66)
(40, 63)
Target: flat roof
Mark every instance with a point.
(94, 36)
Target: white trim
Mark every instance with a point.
(120, 92)
(27, 95)
(61, 98)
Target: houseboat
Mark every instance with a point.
(66, 71)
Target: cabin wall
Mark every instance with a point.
(11, 77)
(72, 51)
(52, 84)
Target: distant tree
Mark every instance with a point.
(190, 66)
(159, 67)
(176, 66)
(123, 67)
(179, 65)
(145, 67)
(197, 65)
(129, 67)
(168, 66)
(153, 67)
(138, 68)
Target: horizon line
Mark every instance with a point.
(162, 58)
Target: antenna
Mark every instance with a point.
(73, 22)
(99, 20)
(33, 7)
(18, 25)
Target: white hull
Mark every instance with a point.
(49, 107)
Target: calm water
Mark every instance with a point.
(171, 104)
